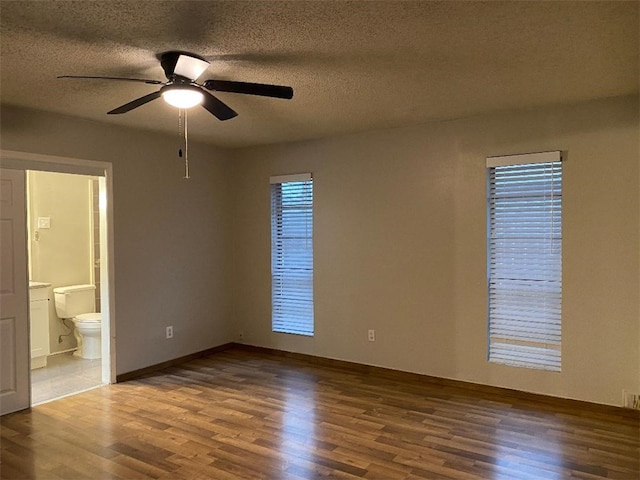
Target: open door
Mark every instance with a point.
(14, 308)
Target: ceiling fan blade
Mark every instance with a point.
(144, 80)
(221, 110)
(135, 103)
(262, 89)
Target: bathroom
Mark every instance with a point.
(63, 218)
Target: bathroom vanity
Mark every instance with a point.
(39, 298)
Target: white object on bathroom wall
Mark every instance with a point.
(44, 222)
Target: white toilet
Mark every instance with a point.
(78, 302)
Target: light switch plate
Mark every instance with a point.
(44, 222)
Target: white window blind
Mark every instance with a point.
(292, 254)
(525, 260)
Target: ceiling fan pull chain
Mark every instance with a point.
(180, 132)
(186, 147)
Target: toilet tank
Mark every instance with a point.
(74, 300)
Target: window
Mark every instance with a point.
(525, 260)
(292, 254)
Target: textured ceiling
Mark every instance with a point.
(354, 66)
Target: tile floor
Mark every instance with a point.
(64, 375)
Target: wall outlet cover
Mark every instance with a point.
(44, 222)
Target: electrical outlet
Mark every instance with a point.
(44, 222)
(170, 331)
(372, 335)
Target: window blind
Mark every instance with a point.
(292, 254)
(525, 260)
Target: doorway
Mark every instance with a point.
(101, 274)
(63, 238)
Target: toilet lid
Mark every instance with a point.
(89, 317)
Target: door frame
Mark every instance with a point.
(34, 161)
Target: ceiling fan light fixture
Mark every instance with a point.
(182, 96)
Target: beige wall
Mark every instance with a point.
(171, 235)
(60, 255)
(399, 247)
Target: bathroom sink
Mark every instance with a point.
(38, 284)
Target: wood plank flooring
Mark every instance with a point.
(247, 415)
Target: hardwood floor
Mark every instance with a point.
(248, 415)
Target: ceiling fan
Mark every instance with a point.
(182, 91)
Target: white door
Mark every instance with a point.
(14, 308)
